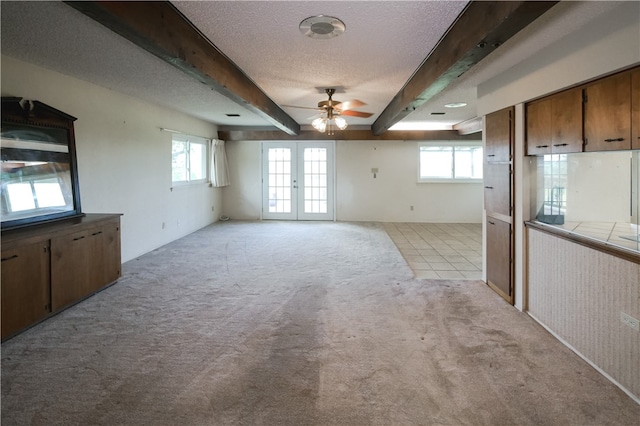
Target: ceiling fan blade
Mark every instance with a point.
(352, 104)
(301, 107)
(356, 114)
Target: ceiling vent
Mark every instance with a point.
(322, 26)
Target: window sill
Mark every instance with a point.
(477, 181)
(189, 185)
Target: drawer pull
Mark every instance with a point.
(561, 144)
(96, 233)
(491, 223)
(542, 146)
(491, 155)
(489, 187)
(614, 140)
(10, 257)
(79, 238)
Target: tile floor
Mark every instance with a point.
(440, 250)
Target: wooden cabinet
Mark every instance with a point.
(498, 200)
(25, 285)
(497, 189)
(47, 268)
(635, 109)
(499, 257)
(554, 124)
(499, 136)
(607, 118)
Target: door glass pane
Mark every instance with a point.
(279, 180)
(315, 180)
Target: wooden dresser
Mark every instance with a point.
(49, 267)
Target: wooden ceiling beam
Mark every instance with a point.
(159, 28)
(473, 125)
(350, 135)
(480, 29)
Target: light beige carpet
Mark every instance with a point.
(296, 323)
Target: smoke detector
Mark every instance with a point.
(322, 26)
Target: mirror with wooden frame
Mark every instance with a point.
(39, 171)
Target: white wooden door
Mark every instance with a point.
(297, 180)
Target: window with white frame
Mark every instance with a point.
(450, 162)
(188, 159)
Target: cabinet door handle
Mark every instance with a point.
(79, 238)
(96, 233)
(491, 155)
(561, 144)
(489, 187)
(10, 257)
(542, 146)
(491, 223)
(614, 140)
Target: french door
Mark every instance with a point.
(297, 180)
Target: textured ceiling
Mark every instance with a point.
(384, 43)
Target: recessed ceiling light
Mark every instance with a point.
(456, 105)
(322, 26)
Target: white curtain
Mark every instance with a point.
(219, 170)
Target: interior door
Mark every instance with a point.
(297, 180)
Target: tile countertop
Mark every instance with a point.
(620, 234)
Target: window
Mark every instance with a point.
(450, 162)
(188, 159)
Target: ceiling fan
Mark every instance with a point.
(331, 112)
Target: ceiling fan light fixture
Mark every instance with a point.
(322, 27)
(320, 124)
(341, 123)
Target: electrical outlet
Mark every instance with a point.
(630, 321)
(411, 208)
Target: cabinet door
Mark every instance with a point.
(71, 276)
(111, 257)
(498, 254)
(539, 127)
(607, 121)
(499, 136)
(25, 286)
(497, 189)
(635, 109)
(566, 115)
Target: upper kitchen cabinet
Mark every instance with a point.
(554, 124)
(607, 118)
(499, 136)
(635, 109)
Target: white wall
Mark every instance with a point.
(388, 196)
(242, 199)
(590, 198)
(609, 43)
(360, 196)
(124, 159)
